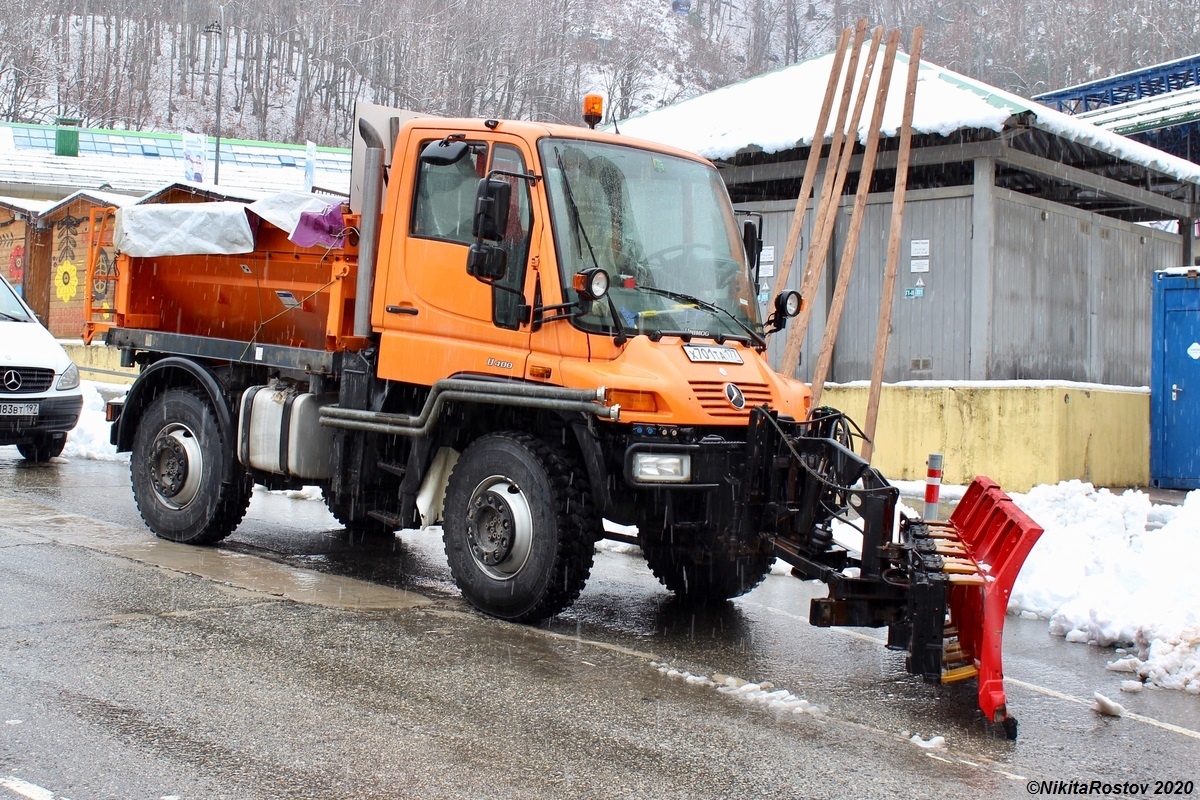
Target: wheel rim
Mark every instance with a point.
(176, 466)
(499, 528)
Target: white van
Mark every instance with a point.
(40, 399)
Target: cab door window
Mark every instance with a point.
(509, 297)
(445, 197)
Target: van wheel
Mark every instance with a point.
(519, 527)
(43, 448)
(176, 469)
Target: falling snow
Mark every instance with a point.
(1112, 570)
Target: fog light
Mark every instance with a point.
(657, 468)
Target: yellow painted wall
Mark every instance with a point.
(1020, 436)
(99, 363)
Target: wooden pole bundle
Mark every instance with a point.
(883, 331)
(810, 169)
(846, 266)
(831, 190)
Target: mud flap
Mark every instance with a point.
(981, 549)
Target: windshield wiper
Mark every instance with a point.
(11, 318)
(577, 222)
(711, 307)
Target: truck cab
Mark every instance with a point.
(657, 222)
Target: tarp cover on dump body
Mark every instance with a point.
(182, 229)
(222, 227)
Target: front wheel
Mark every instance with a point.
(704, 572)
(519, 527)
(176, 469)
(43, 448)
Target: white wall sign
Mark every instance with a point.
(918, 248)
(919, 265)
(766, 270)
(1194, 350)
(768, 253)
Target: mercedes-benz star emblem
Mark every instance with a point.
(12, 380)
(735, 397)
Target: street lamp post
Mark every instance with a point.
(218, 28)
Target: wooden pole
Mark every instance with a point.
(850, 252)
(830, 195)
(814, 158)
(882, 333)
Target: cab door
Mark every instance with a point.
(438, 320)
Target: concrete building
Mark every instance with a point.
(1029, 237)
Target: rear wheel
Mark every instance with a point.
(176, 469)
(43, 448)
(519, 527)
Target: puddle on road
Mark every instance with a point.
(29, 522)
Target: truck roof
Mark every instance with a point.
(532, 131)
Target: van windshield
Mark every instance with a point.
(10, 307)
(663, 229)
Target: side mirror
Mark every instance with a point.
(491, 209)
(444, 152)
(487, 261)
(752, 242)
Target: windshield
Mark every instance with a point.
(10, 306)
(663, 229)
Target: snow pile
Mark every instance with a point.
(761, 694)
(1116, 569)
(89, 439)
(1109, 708)
(933, 743)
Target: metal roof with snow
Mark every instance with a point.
(749, 128)
(1158, 105)
(134, 163)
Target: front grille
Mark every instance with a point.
(712, 397)
(25, 380)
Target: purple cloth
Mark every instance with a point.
(326, 228)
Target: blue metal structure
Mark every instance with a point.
(1180, 139)
(1175, 381)
(1135, 85)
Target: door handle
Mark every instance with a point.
(1176, 390)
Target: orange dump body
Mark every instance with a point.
(278, 294)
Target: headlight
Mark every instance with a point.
(591, 283)
(69, 379)
(658, 468)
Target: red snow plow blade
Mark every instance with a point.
(979, 553)
(940, 588)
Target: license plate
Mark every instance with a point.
(719, 355)
(19, 409)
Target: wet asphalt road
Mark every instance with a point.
(294, 661)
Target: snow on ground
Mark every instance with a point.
(1112, 569)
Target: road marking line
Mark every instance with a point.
(26, 789)
(1167, 726)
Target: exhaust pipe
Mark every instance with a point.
(372, 212)
(507, 394)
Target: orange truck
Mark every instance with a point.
(517, 331)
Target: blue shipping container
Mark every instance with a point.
(1175, 380)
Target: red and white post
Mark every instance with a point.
(933, 486)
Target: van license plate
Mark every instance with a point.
(19, 409)
(720, 355)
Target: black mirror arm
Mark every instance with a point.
(523, 176)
